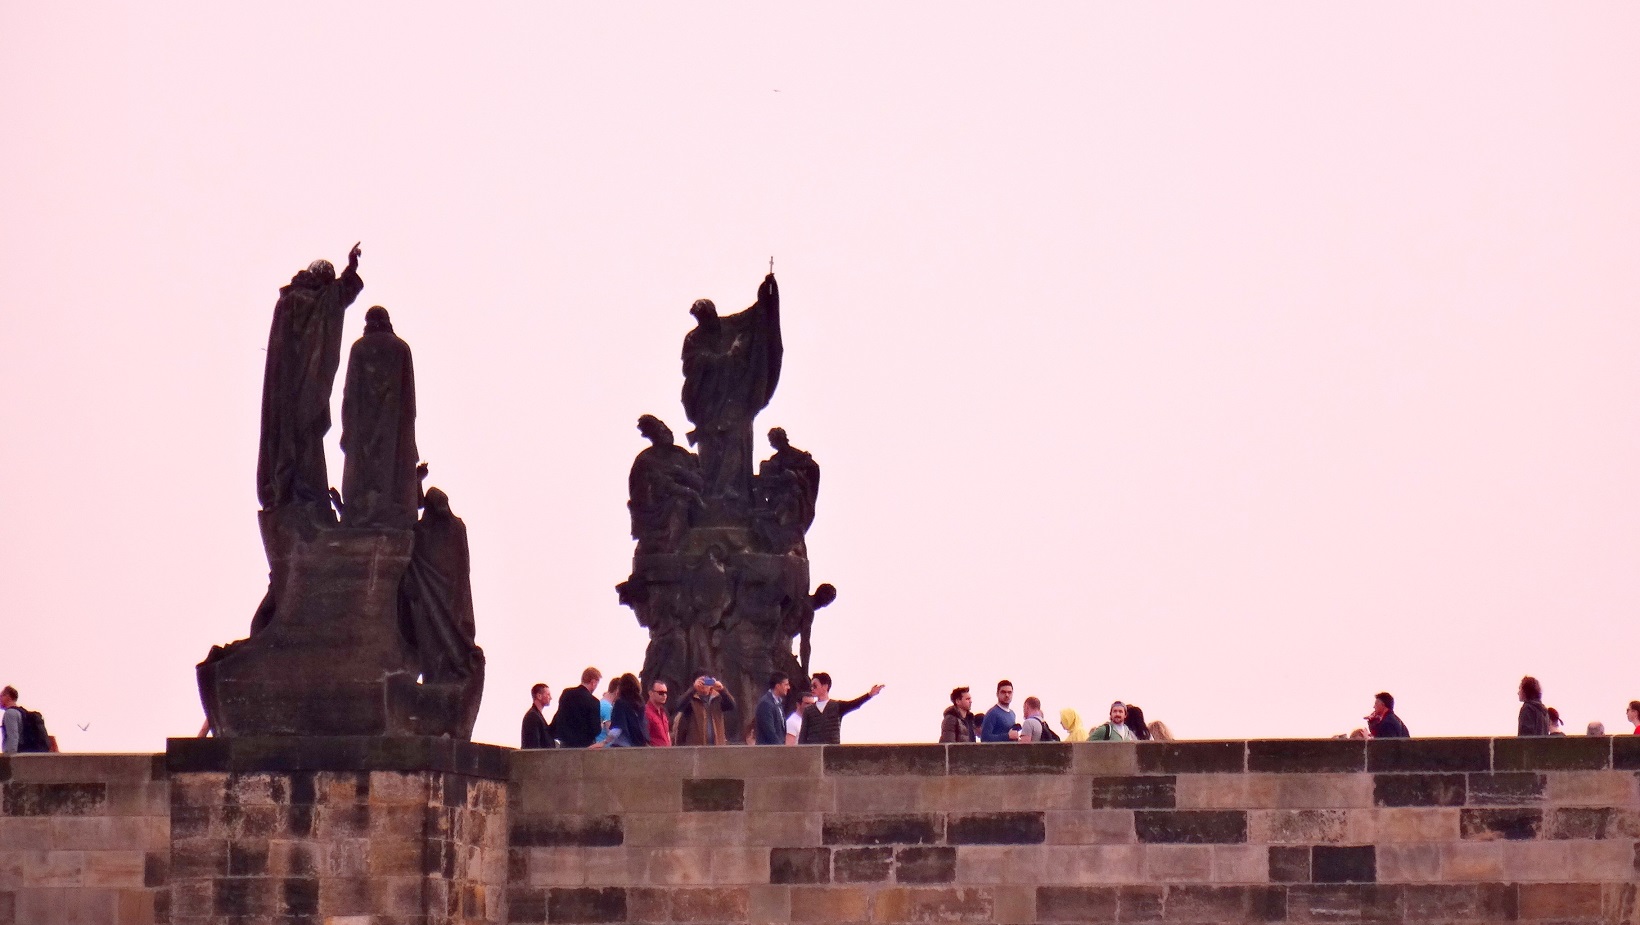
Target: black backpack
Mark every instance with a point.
(33, 737)
(1048, 735)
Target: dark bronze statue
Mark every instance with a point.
(380, 487)
(304, 349)
(720, 576)
(731, 366)
(367, 627)
(664, 487)
(788, 484)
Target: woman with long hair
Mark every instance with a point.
(628, 724)
(1136, 722)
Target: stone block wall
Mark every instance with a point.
(84, 839)
(336, 831)
(1422, 830)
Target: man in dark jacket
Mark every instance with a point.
(579, 718)
(1382, 723)
(1534, 718)
(823, 719)
(958, 724)
(537, 734)
(770, 721)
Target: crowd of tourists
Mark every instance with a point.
(627, 715)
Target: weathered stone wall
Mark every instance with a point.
(1426, 831)
(83, 839)
(418, 832)
(341, 831)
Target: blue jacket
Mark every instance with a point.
(998, 721)
(770, 724)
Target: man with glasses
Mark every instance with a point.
(660, 726)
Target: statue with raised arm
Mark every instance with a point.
(381, 486)
(731, 366)
(304, 350)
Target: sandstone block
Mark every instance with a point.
(679, 867)
(1090, 827)
(1414, 825)
(710, 904)
(1419, 789)
(783, 829)
(1343, 864)
(1311, 791)
(713, 795)
(1013, 905)
(877, 794)
(862, 865)
(1345, 902)
(1191, 826)
(1506, 789)
(1536, 861)
(654, 764)
(1460, 902)
(753, 761)
(1417, 863)
(1472, 861)
(925, 864)
(800, 865)
(86, 768)
(1213, 791)
(557, 866)
(704, 830)
(1289, 864)
(1560, 902)
(962, 793)
(931, 904)
(1105, 758)
(1225, 904)
(1239, 863)
(587, 904)
(882, 829)
(1294, 756)
(996, 828)
(1429, 755)
(1075, 904)
(26, 834)
(1593, 788)
(549, 831)
(1187, 757)
(823, 904)
(1030, 758)
(1552, 753)
(1176, 863)
(1513, 824)
(734, 865)
(886, 760)
(1150, 791)
(768, 904)
(1296, 826)
(648, 905)
(1089, 864)
(791, 794)
(1600, 860)
(52, 799)
(624, 866)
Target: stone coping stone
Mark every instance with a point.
(82, 767)
(1425, 755)
(1307, 756)
(337, 753)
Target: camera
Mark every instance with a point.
(709, 681)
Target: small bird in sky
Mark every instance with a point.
(83, 726)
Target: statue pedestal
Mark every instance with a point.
(333, 659)
(363, 829)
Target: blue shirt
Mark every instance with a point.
(999, 720)
(606, 710)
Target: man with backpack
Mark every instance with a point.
(21, 730)
(1035, 728)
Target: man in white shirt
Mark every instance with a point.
(794, 722)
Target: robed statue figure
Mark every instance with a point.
(731, 366)
(380, 487)
(304, 349)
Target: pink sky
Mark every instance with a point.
(1237, 360)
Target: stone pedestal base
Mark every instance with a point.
(366, 831)
(332, 660)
